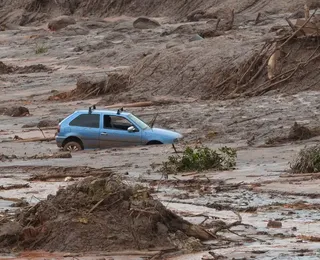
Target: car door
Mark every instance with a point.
(87, 128)
(114, 132)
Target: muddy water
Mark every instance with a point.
(5, 204)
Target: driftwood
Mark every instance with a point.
(36, 139)
(136, 104)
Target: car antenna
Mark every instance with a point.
(153, 120)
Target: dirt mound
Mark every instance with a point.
(93, 86)
(60, 22)
(296, 133)
(299, 132)
(231, 69)
(9, 69)
(188, 70)
(14, 111)
(98, 214)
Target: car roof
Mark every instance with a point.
(100, 111)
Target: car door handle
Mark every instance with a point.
(104, 133)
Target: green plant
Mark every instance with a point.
(41, 49)
(307, 161)
(201, 159)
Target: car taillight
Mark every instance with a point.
(58, 129)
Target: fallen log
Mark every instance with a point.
(136, 104)
(36, 139)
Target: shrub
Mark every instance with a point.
(41, 49)
(307, 161)
(201, 159)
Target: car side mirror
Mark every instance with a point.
(131, 129)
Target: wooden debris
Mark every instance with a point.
(36, 139)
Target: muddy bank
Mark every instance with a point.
(31, 11)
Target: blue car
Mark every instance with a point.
(92, 129)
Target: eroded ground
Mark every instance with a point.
(259, 189)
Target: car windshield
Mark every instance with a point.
(138, 122)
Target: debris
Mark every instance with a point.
(16, 186)
(60, 22)
(4, 157)
(274, 224)
(196, 37)
(309, 238)
(126, 219)
(10, 69)
(36, 139)
(59, 155)
(45, 173)
(14, 111)
(20, 204)
(67, 179)
(91, 85)
(145, 23)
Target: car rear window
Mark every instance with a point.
(86, 120)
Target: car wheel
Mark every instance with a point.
(72, 147)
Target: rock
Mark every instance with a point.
(74, 30)
(96, 24)
(196, 37)
(209, 33)
(20, 204)
(67, 179)
(172, 44)
(60, 22)
(47, 123)
(29, 125)
(145, 23)
(123, 26)
(183, 29)
(274, 224)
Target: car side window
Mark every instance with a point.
(116, 123)
(86, 120)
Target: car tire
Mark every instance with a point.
(72, 146)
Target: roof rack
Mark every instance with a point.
(92, 108)
(119, 111)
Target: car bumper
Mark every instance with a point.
(59, 141)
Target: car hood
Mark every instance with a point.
(163, 132)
